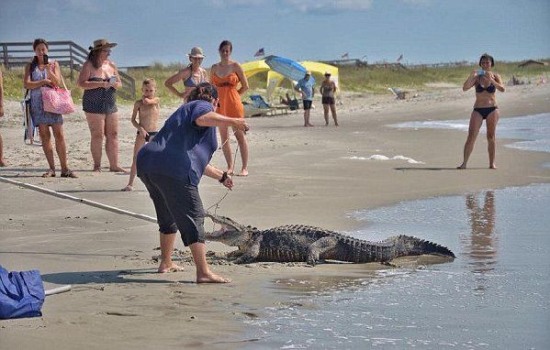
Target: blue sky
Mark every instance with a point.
(424, 31)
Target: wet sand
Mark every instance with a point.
(297, 175)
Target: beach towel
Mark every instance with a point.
(28, 124)
(21, 294)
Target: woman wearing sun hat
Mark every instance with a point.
(99, 78)
(192, 75)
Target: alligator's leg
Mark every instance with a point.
(251, 253)
(319, 247)
(234, 254)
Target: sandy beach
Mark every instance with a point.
(298, 175)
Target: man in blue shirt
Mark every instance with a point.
(306, 86)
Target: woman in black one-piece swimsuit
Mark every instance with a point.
(99, 78)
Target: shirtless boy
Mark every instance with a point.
(148, 110)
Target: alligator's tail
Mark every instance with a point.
(407, 245)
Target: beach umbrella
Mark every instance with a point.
(286, 67)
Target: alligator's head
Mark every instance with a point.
(231, 233)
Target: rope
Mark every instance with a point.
(217, 204)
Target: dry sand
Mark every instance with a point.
(297, 175)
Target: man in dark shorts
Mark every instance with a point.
(306, 86)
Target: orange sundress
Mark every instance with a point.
(230, 100)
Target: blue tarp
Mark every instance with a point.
(21, 294)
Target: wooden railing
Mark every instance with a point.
(67, 53)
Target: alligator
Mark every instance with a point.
(302, 243)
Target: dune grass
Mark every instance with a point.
(371, 79)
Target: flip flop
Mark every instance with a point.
(69, 173)
(49, 173)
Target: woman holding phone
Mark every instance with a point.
(99, 78)
(486, 83)
(40, 72)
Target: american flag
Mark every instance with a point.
(260, 52)
(346, 55)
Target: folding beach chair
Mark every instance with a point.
(260, 107)
(398, 93)
(259, 102)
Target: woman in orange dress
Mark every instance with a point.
(227, 75)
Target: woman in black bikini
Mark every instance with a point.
(486, 83)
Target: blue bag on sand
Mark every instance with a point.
(21, 294)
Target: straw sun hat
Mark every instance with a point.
(102, 44)
(196, 52)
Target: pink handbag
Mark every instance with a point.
(57, 99)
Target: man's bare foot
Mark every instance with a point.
(3, 163)
(172, 268)
(97, 169)
(461, 166)
(212, 278)
(230, 171)
(128, 188)
(492, 166)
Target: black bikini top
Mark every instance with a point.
(490, 89)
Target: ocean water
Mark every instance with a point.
(532, 130)
(494, 295)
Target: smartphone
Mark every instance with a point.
(112, 80)
(45, 57)
(480, 72)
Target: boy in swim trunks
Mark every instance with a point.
(148, 109)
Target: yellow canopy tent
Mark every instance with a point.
(254, 67)
(320, 69)
(275, 79)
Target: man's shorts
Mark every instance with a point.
(307, 104)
